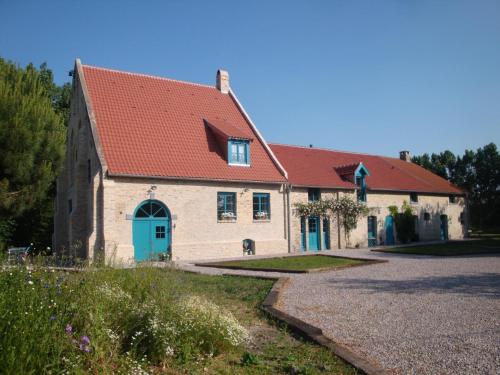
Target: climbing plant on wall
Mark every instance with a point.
(345, 210)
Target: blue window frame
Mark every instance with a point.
(261, 206)
(314, 195)
(238, 152)
(226, 206)
(361, 183)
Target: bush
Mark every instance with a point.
(405, 222)
(107, 321)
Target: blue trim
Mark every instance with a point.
(239, 157)
(361, 170)
(261, 203)
(227, 205)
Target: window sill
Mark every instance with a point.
(414, 203)
(238, 165)
(261, 220)
(226, 221)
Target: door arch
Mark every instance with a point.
(151, 230)
(389, 230)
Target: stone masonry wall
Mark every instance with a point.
(196, 232)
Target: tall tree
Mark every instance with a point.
(32, 140)
(477, 173)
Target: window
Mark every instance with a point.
(160, 231)
(151, 209)
(452, 199)
(413, 198)
(89, 171)
(427, 216)
(361, 183)
(261, 206)
(238, 152)
(314, 195)
(226, 206)
(70, 205)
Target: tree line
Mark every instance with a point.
(475, 172)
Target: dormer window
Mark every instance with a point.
(356, 173)
(238, 152)
(360, 180)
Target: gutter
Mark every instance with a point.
(130, 175)
(289, 216)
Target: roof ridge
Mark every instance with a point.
(331, 149)
(148, 76)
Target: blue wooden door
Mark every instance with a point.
(444, 227)
(151, 230)
(389, 230)
(325, 241)
(372, 231)
(313, 233)
(302, 233)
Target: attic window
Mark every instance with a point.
(360, 179)
(238, 152)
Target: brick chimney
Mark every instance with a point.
(222, 81)
(405, 156)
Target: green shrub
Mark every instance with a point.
(405, 222)
(106, 321)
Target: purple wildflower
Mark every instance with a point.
(84, 344)
(68, 329)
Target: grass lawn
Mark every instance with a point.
(290, 264)
(146, 320)
(452, 248)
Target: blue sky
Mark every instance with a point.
(367, 76)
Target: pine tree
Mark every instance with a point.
(32, 141)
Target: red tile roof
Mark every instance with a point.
(154, 127)
(313, 167)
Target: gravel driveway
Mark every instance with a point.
(412, 315)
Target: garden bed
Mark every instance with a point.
(146, 320)
(292, 264)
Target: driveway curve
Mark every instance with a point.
(411, 315)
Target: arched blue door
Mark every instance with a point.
(389, 230)
(151, 230)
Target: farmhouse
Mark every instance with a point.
(156, 166)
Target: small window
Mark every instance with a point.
(226, 206)
(261, 206)
(238, 152)
(452, 199)
(427, 216)
(314, 195)
(160, 231)
(70, 205)
(413, 198)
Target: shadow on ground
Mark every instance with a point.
(481, 285)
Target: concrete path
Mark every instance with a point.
(411, 315)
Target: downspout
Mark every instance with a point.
(289, 217)
(339, 245)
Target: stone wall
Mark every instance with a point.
(196, 231)
(378, 203)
